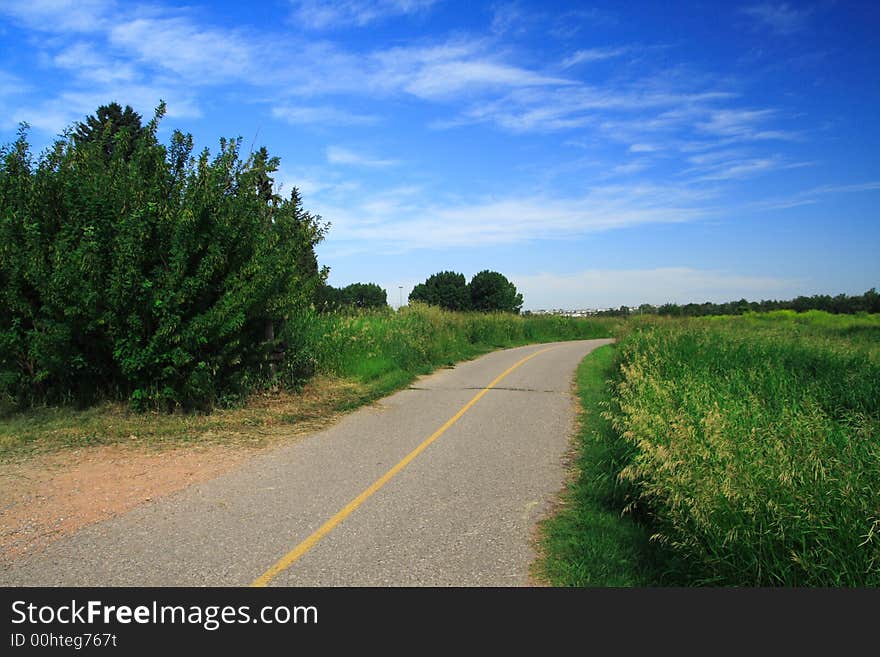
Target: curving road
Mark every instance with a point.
(439, 484)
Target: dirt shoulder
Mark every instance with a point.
(51, 484)
(51, 495)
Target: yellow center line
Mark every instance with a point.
(291, 557)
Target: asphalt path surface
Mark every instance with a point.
(394, 494)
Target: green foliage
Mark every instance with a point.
(490, 291)
(115, 128)
(132, 269)
(755, 446)
(388, 349)
(446, 289)
(354, 296)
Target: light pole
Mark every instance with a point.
(399, 296)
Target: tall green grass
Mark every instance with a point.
(587, 541)
(388, 349)
(755, 446)
(352, 359)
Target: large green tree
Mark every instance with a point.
(446, 289)
(114, 127)
(145, 271)
(491, 291)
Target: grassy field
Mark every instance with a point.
(354, 359)
(751, 448)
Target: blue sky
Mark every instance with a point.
(597, 154)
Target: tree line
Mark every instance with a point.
(488, 291)
(354, 296)
(841, 304)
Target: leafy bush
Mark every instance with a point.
(132, 269)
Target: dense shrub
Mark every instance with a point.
(136, 270)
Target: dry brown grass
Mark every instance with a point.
(265, 419)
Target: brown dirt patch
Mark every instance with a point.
(50, 496)
(51, 484)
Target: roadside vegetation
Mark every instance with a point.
(747, 448)
(587, 541)
(151, 294)
(352, 358)
(134, 270)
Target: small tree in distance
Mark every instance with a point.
(491, 291)
(447, 289)
(365, 295)
(356, 295)
(488, 291)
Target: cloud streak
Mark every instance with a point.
(347, 157)
(779, 18)
(592, 55)
(322, 115)
(400, 223)
(332, 14)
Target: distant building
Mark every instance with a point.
(563, 312)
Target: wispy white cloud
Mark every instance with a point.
(741, 168)
(89, 65)
(626, 113)
(446, 79)
(399, 224)
(744, 124)
(53, 115)
(11, 85)
(345, 156)
(780, 18)
(871, 186)
(592, 55)
(722, 168)
(199, 55)
(628, 168)
(603, 288)
(59, 15)
(813, 195)
(508, 17)
(322, 115)
(448, 70)
(328, 14)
